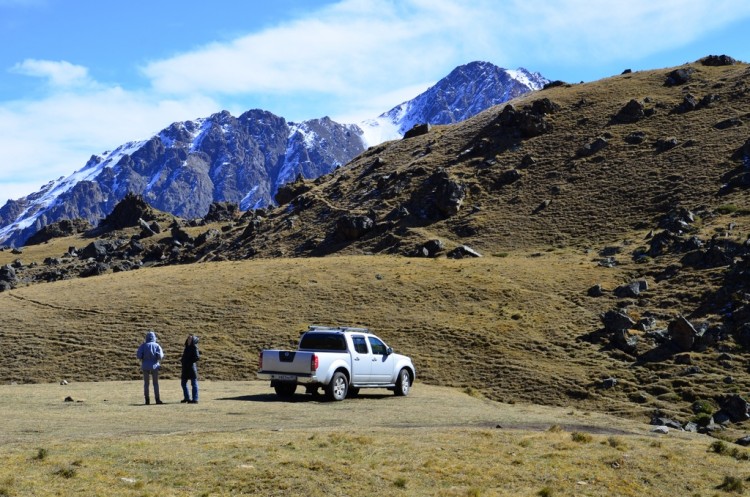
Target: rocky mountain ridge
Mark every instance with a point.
(189, 165)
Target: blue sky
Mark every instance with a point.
(79, 77)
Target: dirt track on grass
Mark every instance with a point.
(35, 413)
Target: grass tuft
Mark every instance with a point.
(579, 437)
(732, 484)
(41, 454)
(66, 472)
(399, 482)
(545, 492)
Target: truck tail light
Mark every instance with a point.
(260, 361)
(314, 363)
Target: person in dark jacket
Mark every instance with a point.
(150, 353)
(189, 359)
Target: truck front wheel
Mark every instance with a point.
(403, 383)
(337, 388)
(285, 390)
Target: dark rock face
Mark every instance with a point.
(417, 130)
(631, 112)
(350, 227)
(289, 191)
(683, 334)
(678, 77)
(129, 212)
(221, 211)
(718, 60)
(66, 227)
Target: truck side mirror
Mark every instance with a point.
(388, 351)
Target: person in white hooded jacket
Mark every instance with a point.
(150, 354)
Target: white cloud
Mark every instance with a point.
(45, 139)
(58, 73)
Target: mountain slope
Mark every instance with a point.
(466, 91)
(245, 159)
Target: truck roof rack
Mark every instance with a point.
(337, 328)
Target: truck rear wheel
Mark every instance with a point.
(337, 388)
(403, 384)
(285, 390)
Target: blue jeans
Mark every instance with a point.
(193, 384)
(146, 377)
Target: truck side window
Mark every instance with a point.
(378, 347)
(360, 345)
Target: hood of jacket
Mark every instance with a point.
(150, 336)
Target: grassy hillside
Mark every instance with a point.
(544, 202)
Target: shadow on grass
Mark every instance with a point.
(271, 397)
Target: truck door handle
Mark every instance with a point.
(374, 359)
(356, 358)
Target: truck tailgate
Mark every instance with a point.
(286, 361)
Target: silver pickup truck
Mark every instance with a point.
(341, 360)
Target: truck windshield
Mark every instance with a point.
(322, 341)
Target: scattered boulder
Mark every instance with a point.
(631, 290)
(351, 227)
(623, 340)
(631, 112)
(732, 122)
(608, 383)
(449, 195)
(95, 269)
(735, 407)
(98, 249)
(595, 291)
(635, 138)
(616, 320)
(212, 234)
(221, 212)
(592, 148)
(683, 334)
(689, 103)
(289, 191)
(417, 130)
(507, 177)
(463, 251)
(180, 235)
(664, 144)
(65, 227)
(668, 422)
(718, 60)
(430, 248)
(127, 213)
(678, 77)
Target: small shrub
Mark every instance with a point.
(41, 454)
(726, 209)
(702, 419)
(554, 429)
(545, 492)
(66, 472)
(732, 484)
(702, 406)
(400, 482)
(579, 437)
(501, 254)
(615, 442)
(473, 492)
(719, 446)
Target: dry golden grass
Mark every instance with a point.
(240, 441)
